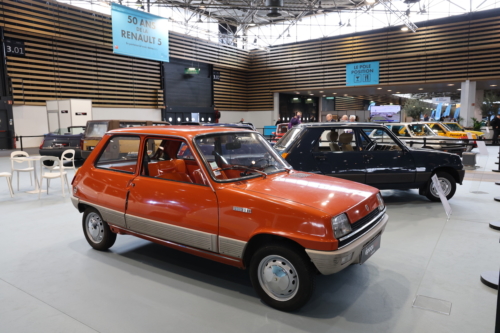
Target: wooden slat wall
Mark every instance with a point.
(230, 93)
(348, 104)
(436, 53)
(69, 55)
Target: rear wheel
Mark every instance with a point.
(448, 184)
(282, 276)
(97, 232)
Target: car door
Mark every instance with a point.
(171, 198)
(387, 160)
(110, 177)
(337, 154)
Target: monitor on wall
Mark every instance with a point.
(385, 113)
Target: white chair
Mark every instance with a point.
(7, 175)
(53, 175)
(13, 161)
(67, 156)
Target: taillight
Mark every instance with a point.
(41, 146)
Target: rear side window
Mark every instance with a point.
(120, 154)
(96, 129)
(131, 124)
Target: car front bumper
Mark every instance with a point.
(330, 262)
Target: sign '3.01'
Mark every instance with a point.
(14, 48)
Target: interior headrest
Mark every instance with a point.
(333, 136)
(345, 138)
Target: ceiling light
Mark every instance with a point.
(202, 5)
(379, 88)
(334, 93)
(420, 88)
(348, 23)
(389, 90)
(252, 23)
(297, 92)
(324, 95)
(311, 94)
(397, 92)
(493, 85)
(450, 85)
(405, 28)
(321, 91)
(370, 1)
(459, 89)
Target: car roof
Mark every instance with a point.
(340, 124)
(187, 131)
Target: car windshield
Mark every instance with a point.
(421, 130)
(69, 130)
(288, 138)
(233, 155)
(454, 127)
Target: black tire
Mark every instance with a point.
(291, 264)
(96, 231)
(449, 182)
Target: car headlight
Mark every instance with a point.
(381, 204)
(341, 225)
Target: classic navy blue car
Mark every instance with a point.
(370, 154)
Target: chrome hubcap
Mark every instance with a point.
(278, 278)
(95, 227)
(445, 185)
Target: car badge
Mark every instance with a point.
(243, 210)
(367, 208)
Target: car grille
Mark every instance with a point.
(360, 224)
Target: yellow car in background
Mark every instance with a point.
(442, 130)
(459, 128)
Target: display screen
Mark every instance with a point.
(385, 113)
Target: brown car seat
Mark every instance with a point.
(333, 136)
(345, 140)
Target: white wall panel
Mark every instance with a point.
(30, 121)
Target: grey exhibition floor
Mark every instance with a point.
(52, 281)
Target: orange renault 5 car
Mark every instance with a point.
(231, 198)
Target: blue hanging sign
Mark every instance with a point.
(139, 34)
(362, 73)
(438, 111)
(457, 113)
(447, 111)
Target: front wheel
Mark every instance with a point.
(282, 276)
(448, 184)
(97, 232)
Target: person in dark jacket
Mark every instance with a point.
(295, 120)
(495, 125)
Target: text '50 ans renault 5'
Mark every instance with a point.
(226, 195)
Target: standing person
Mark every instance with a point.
(279, 121)
(242, 121)
(295, 120)
(344, 119)
(352, 118)
(329, 118)
(426, 117)
(495, 125)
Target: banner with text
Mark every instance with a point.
(139, 34)
(362, 73)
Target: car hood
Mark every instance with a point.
(328, 194)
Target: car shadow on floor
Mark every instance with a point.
(357, 288)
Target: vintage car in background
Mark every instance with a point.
(459, 128)
(281, 129)
(443, 130)
(96, 129)
(55, 143)
(371, 154)
(232, 199)
(420, 135)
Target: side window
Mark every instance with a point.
(171, 159)
(120, 154)
(399, 130)
(437, 129)
(337, 139)
(380, 140)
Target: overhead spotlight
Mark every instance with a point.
(252, 23)
(321, 91)
(120, 2)
(408, 12)
(274, 4)
(288, 36)
(199, 19)
(320, 9)
(348, 23)
(202, 5)
(405, 28)
(255, 40)
(370, 1)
